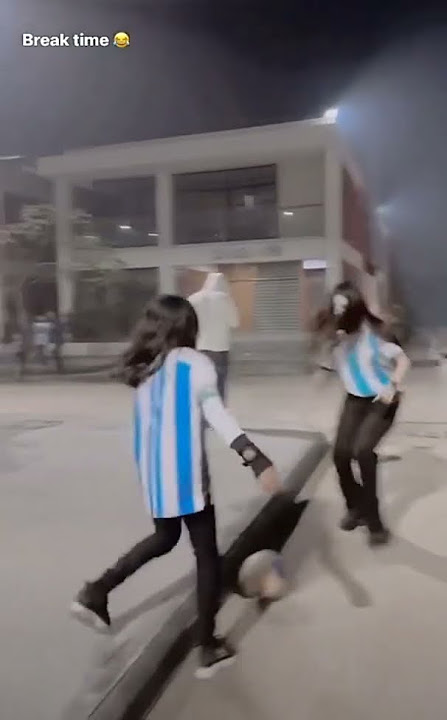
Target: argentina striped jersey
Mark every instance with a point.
(365, 362)
(168, 432)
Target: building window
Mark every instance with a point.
(226, 205)
(122, 211)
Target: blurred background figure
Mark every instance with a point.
(22, 342)
(218, 315)
(41, 339)
(56, 339)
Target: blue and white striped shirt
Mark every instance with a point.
(169, 435)
(365, 362)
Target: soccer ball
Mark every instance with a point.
(262, 576)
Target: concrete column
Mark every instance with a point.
(64, 245)
(164, 204)
(333, 217)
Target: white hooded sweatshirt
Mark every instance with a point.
(217, 314)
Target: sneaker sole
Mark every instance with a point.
(88, 617)
(206, 673)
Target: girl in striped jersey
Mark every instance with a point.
(372, 367)
(175, 388)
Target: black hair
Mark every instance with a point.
(169, 321)
(352, 318)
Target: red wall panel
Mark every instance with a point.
(356, 220)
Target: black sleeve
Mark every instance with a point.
(251, 455)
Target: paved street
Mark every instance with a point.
(362, 634)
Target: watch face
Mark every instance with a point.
(249, 454)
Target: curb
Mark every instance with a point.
(139, 687)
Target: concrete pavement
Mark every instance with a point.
(362, 634)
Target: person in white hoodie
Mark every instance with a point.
(218, 315)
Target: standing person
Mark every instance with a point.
(41, 339)
(174, 384)
(23, 346)
(372, 367)
(56, 339)
(218, 315)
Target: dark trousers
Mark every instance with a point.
(362, 425)
(221, 363)
(202, 532)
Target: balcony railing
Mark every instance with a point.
(262, 222)
(124, 232)
(248, 223)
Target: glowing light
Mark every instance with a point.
(125, 227)
(288, 213)
(331, 115)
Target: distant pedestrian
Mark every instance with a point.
(56, 340)
(41, 339)
(218, 316)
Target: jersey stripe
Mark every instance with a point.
(144, 403)
(363, 388)
(169, 445)
(157, 425)
(137, 434)
(184, 438)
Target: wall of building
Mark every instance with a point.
(356, 222)
(300, 189)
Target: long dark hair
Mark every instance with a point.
(169, 321)
(356, 312)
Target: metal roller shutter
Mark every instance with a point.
(276, 307)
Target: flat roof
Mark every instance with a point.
(189, 153)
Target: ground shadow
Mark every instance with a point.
(314, 539)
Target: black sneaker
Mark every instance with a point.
(351, 521)
(379, 536)
(214, 657)
(90, 607)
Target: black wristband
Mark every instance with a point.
(251, 455)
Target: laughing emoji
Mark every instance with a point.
(121, 40)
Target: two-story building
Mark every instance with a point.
(277, 208)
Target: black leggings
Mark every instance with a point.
(202, 532)
(362, 425)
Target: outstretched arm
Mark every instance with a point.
(225, 425)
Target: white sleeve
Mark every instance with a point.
(390, 350)
(205, 383)
(194, 299)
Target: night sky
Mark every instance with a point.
(193, 66)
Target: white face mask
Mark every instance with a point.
(339, 304)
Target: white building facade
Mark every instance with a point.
(276, 208)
